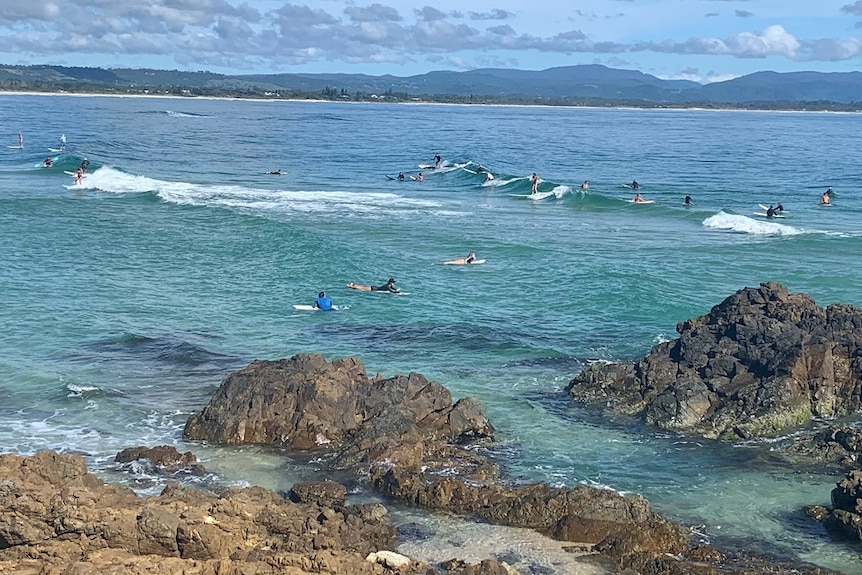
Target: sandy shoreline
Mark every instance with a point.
(422, 103)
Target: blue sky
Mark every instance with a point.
(701, 40)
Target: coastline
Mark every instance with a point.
(655, 107)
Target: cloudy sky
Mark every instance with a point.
(702, 40)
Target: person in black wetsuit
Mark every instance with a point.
(687, 201)
(83, 165)
(770, 213)
(389, 287)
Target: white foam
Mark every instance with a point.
(258, 200)
(746, 225)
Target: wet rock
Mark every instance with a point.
(761, 361)
(163, 459)
(323, 493)
(837, 446)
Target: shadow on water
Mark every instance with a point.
(171, 352)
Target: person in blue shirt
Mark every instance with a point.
(323, 303)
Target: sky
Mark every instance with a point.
(700, 40)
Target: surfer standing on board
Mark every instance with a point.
(20, 140)
(62, 142)
(534, 181)
(389, 286)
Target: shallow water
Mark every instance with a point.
(128, 298)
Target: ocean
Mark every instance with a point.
(127, 299)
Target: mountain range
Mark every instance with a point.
(561, 85)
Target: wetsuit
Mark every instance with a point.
(389, 286)
(323, 303)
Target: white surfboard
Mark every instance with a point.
(56, 149)
(641, 202)
(463, 263)
(763, 215)
(302, 307)
(42, 165)
(15, 147)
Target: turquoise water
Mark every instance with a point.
(127, 299)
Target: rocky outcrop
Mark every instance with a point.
(412, 444)
(162, 459)
(761, 361)
(307, 403)
(838, 446)
(844, 518)
(55, 517)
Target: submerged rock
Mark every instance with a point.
(761, 361)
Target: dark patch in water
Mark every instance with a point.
(414, 532)
(163, 349)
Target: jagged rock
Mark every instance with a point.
(55, 517)
(485, 567)
(836, 445)
(759, 362)
(307, 403)
(323, 493)
(582, 514)
(163, 459)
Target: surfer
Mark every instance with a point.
(400, 176)
(585, 185)
(687, 201)
(389, 286)
(826, 198)
(779, 208)
(274, 173)
(323, 303)
(534, 181)
(62, 142)
(437, 160)
(48, 162)
(471, 257)
(83, 166)
(20, 140)
(420, 177)
(79, 176)
(638, 199)
(770, 212)
(635, 185)
(488, 177)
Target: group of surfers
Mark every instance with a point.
(324, 303)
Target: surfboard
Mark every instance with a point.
(641, 202)
(457, 263)
(470, 171)
(56, 149)
(15, 147)
(40, 164)
(427, 167)
(301, 307)
(763, 215)
(822, 205)
(72, 173)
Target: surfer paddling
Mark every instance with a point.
(471, 257)
(389, 287)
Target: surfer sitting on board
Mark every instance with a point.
(826, 198)
(323, 303)
(585, 185)
(389, 286)
(471, 257)
(419, 177)
(770, 212)
(635, 185)
(687, 201)
(638, 199)
(400, 176)
(47, 163)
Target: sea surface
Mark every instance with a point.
(124, 301)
